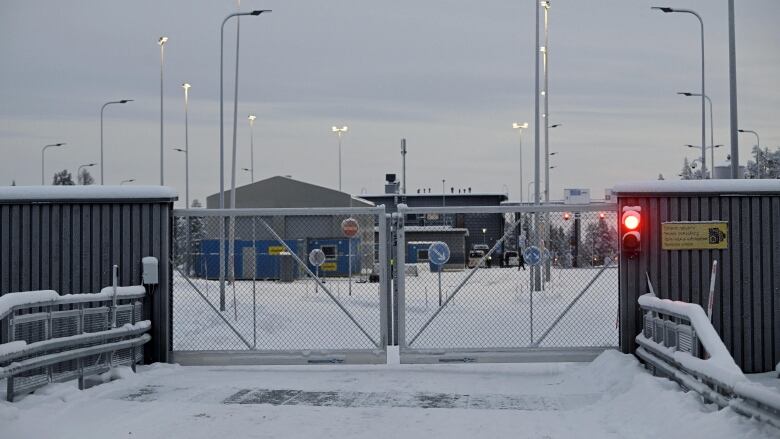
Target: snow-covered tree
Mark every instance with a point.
(63, 178)
(601, 242)
(85, 178)
(765, 163)
(686, 173)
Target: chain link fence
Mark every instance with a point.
(514, 279)
(244, 280)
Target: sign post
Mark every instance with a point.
(350, 228)
(439, 254)
(317, 258)
(532, 256)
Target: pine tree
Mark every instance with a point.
(766, 164)
(63, 178)
(686, 173)
(85, 178)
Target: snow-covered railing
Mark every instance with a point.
(679, 342)
(52, 338)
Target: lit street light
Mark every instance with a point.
(520, 127)
(703, 93)
(42, 155)
(252, 118)
(484, 241)
(340, 132)
(123, 101)
(126, 181)
(161, 42)
(78, 172)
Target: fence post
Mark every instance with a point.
(401, 276)
(383, 290)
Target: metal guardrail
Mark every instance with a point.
(674, 339)
(70, 337)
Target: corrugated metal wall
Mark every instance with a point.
(70, 247)
(746, 311)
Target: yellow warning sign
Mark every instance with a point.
(697, 235)
(275, 249)
(328, 266)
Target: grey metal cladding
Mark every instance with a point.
(746, 310)
(69, 246)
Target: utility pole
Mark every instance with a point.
(403, 166)
(733, 95)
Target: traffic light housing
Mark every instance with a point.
(566, 216)
(631, 238)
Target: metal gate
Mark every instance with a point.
(484, 304)
(246, 291)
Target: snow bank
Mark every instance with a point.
(699, 186)
(91, 192)
(10, 300)
(720, 365)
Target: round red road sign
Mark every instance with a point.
(350, 227)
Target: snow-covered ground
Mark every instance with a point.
(612, 397)
(493, 309)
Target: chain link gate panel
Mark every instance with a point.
(535, 283)
(246, 291)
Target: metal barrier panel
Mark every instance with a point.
(521, 283)
(245, 289)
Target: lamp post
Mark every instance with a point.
(712, 130)
(126, 181)
(43, 150)
(443, 193)
(222, 147)
(161, 42)
(703, 93)
(484, 241)
(78, 171)
(122, 101)
(340, 132)
(546, 115)
(758, 144)
(520, 127)
(186, 151)
(252, 118)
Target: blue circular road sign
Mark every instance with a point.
(532, 255)
(439, 253)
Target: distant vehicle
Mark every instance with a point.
(511, 258)
(474, 257)
(484, 249)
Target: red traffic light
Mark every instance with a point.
(602, 215)
(566, 216)
(631, 219)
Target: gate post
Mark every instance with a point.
(381, 220)
(400, 269)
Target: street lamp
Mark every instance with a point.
(222, 149)
(703, 93)
(340, 132)
(161, 42)
(520, 127)
(78, 172)
(712, 128)
(484, 241)
(43, 150)
(123, 101)
(186, 86)
(252, 118)
(547, 155)
(126, 181)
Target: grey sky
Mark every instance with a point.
(450, 76)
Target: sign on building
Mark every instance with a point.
(695, 235)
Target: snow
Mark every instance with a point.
(720, 365)
(699, 186)
(12, 347)
(91, 192)
(149, 260)
(10, 300)
(612, 397)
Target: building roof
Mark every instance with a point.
(285, 192)
(90, 192)
(699, 186)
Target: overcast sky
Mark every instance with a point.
(449, 76)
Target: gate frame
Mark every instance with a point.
(376, 355)
(411, 355)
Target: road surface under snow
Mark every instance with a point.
(612, 397)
